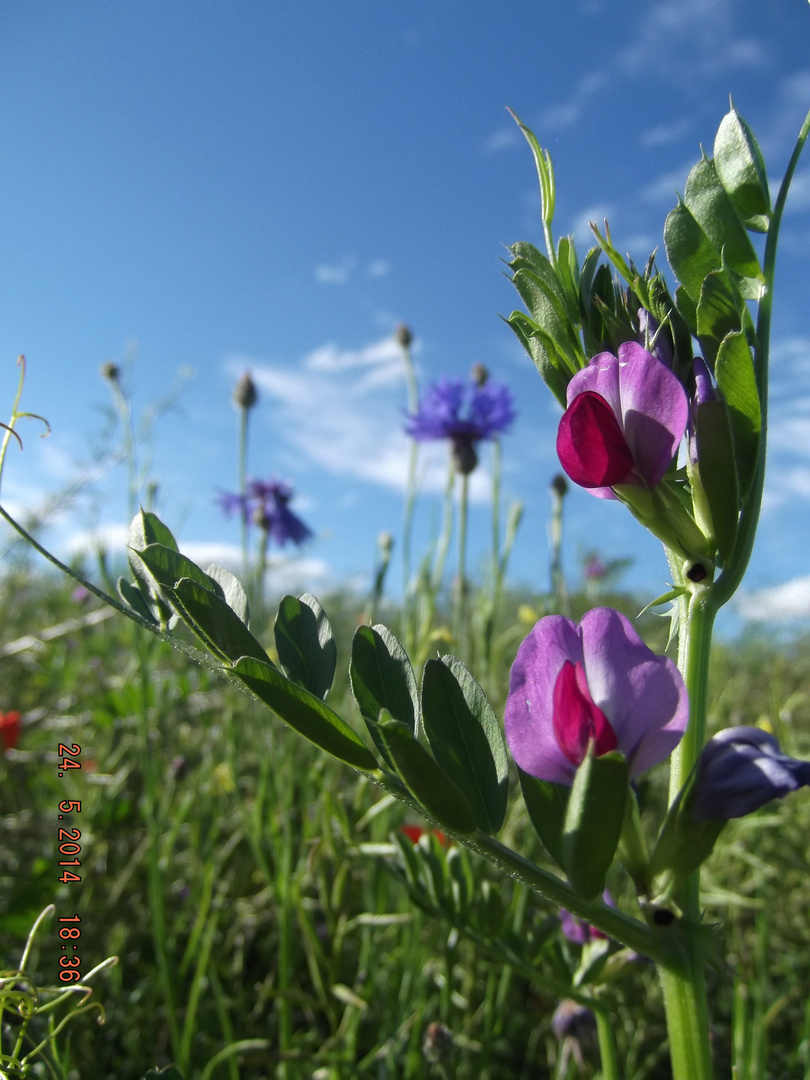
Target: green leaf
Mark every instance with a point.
(691, 254)
(304, 643)
(736, 379)
(443, 802)
(546, 307)
(553, 371)
(713, 210)
(168, 566)
(215, 623)
(381, 677)
(134, 598)
(593, 820)
(235, 595)
(147, 528)
(547, 804)
(304, 712)
(466, 739)
(717, 314)
(718, 473)
(741, 168)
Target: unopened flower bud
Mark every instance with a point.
(110, 371)
(559, 486)
(245, 395)
(479, 374)
(403, 335)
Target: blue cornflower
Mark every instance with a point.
(465, 413)
(741, 769)
(265, 503)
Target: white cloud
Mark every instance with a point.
(378, 268)
(777, 604)
(335, 273)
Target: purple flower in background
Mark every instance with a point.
(577, 930)
(465, 413)
(741, 769)
(597, 681)
(625, 419)
(265, 503)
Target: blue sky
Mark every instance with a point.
(195, 190)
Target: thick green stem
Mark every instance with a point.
(683, 981)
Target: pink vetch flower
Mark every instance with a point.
(625, 420)
(593, 681)
(10, 728)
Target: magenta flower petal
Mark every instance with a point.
(577, 719)
(591, 445)
(649, 407)
(640, 696)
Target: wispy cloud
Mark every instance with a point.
(335, 273)
(780, 603)
(666, 134)
(702, 30)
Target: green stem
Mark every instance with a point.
(607, 1043)
(460, 614)
(683, 981)
(243, 445)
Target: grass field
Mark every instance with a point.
(254, 894)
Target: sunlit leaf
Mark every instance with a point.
(741, 169)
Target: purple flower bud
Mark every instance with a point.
(652, 338)
(625, 419)
(740, 770)
(702, 392)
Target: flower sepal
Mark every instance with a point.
(594, 818)
(663, 513)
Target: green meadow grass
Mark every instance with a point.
(251, 891)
